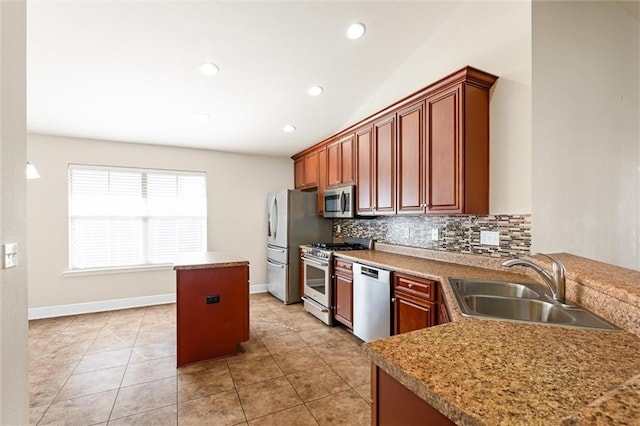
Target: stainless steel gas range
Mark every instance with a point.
(318, 275)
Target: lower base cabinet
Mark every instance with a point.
(394, 404)
(415, 303)
(343, 292)
(212, 315)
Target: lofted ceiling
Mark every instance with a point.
(128, 71)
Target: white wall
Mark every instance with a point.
(14, 355)
(494, 37)
(237, 187)
(586, 77)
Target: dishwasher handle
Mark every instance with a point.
(370, 272)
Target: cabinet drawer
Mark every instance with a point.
(342, 266)
(417, 286)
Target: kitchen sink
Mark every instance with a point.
(518, 309)
(520, 302)
(496, 288)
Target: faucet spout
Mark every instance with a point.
(554, 280)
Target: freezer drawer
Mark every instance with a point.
(277, 279)
(278, 254)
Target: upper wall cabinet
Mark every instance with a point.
(340, 170)
(428, 153)
(305, 170)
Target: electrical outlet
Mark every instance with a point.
(9, 255)
(338, 229)
(407, 232)
(434, 234)
(490, 238)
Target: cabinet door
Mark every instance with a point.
(411, 160)
(364, 172)
(443, 310)
(343, 298)
(384, 169)
(445, 156)
(334, 166)
(311, 170)
(322, 178)
(412, 313)
(298, 173)
(346, 163)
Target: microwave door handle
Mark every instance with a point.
(342, 202)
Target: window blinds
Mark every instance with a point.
(120, 217)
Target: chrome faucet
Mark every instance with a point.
(554, 280)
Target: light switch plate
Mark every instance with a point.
(9, 255)
(490, 238)
(434, 234)
(407, 232)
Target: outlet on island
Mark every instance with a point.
(213, 299)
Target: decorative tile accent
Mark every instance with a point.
(460, 234)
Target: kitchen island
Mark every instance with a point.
(212, 299)
(486, 372)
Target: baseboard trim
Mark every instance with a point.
(115, 304)
(257, 288)
(101, 306)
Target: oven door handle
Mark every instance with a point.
(315, 304)
(315, 262)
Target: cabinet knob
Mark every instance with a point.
(393, 299)
(410, 285)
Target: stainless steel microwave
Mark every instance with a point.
(340, 202)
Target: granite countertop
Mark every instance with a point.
(486, 372)
(211, 259)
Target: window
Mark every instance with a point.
(120, 217)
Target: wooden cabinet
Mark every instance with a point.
(343, 292)
(415, 303)
(364, 171)
(457, 135)
(212, 312)
(322, 177)
(305, 170)
(411, 153)
(443, 309)
(428, 153)
(340, 170)
(394, 404)
(384, 166)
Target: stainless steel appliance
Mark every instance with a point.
(340, 202)
(292, 220)
(318, 273)
(371, 302)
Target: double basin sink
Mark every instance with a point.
(520, 302)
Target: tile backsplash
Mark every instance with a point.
(459, 234)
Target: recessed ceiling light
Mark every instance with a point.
(209, 69)
(289, 128)
(202, 117)
(355, 31)
(315, 90)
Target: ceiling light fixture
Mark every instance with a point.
(289, 128)
(202, 117)
(315, 90)
(32, 172)
(355, 31)
(209, 69)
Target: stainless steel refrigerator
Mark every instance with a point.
(292, 218)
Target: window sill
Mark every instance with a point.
(118, 270)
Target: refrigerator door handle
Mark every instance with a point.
(276, 214)
(275, 264)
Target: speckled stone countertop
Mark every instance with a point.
(211, 259)
(490, 372)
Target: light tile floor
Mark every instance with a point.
(118, 368)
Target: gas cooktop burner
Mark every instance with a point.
(339, 246)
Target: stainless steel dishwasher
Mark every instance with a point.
(371, 302)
